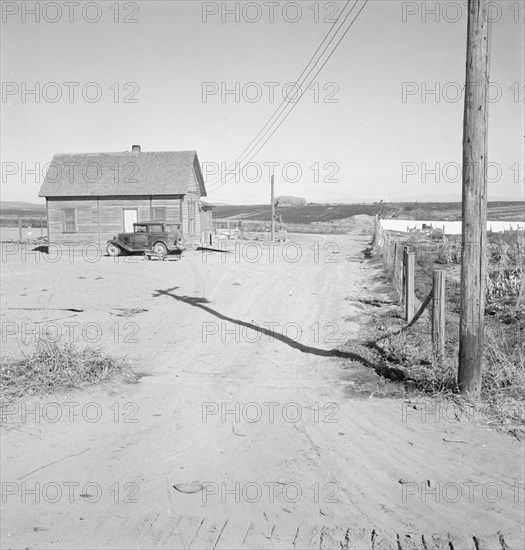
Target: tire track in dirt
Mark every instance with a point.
(365, 453)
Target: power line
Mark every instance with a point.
(284, 101)
(298, 82)
(295, 104)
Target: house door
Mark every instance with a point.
(130, 216)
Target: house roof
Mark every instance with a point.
(126, 173)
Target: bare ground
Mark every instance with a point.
(363, 466)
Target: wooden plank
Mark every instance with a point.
(307, 537)
(282, 535)
(513, 541)
(462, 542)
(207, 534)
(436, 542)
(333, 538)
(358, 539)
(417, 541)
(410, 541)
(258, 536)
(384, 540)
(115, 531)
(492, 542)
(183, 533)
(153, 529)
(232, 534)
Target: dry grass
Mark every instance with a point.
(503, 385)
(502, 398)
(412, 352)
(54, 368)
(501, 403)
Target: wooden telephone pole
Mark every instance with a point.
(474, 203)
(273, 210)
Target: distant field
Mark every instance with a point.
(30, 214)
(314, 213)
(306, 214)
(438, 211)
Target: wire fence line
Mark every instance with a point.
(424, 268)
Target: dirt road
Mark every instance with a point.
(272, 436)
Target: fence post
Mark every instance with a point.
(398, 271)
(391, 244)
(394, 268)
(20, 229)
(229, 231)
(409, 284)
(438, 314)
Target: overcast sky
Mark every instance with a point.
(369, 127)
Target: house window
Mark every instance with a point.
(69, 220)
(159, 213)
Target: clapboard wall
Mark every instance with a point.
(101, 218)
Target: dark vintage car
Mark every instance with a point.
(160, 237)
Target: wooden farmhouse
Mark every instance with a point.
(91, 197)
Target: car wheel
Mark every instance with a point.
(160, 248)
(113, 250)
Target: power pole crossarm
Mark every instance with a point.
(474, 204)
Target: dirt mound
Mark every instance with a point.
(290, 201)
(363, 224)
(360, 221)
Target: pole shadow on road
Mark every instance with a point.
(195, 301)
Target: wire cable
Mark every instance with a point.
(298, 83)
(295, 104)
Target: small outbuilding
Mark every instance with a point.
(91, 197)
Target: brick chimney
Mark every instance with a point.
(135, 148)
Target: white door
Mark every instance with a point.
(131, 216)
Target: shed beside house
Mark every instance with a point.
(91, 197)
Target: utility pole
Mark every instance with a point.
(474, 201)
(273, 210)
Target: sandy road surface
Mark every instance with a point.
(268, 422)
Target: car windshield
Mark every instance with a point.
(141, 229)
